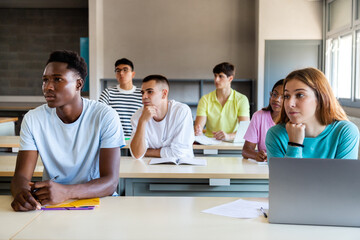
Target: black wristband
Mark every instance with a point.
(295, 144)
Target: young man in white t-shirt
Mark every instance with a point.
(125, 98)
(161, 128)
(78, 140)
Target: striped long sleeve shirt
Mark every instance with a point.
(125, 102)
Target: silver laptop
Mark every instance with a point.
(314, 191)
(242, 128)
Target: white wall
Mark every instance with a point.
(179, 39)
(285, 20)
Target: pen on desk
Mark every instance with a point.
(263, 212)
(52, 179)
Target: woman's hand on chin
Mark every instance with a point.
(296, 132)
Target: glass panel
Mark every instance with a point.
(328, 56)
(357, 68)
(358, 10)
(340, 13)
(334, 65)
(344, 67)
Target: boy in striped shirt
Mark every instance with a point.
(125, 98)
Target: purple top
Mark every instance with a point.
(260, 123)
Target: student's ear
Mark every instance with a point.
(133, 75)
(164, 93)
(79, 84)
(231, 78)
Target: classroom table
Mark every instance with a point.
(156, 218)
(7, 169)
(12, 222)
(7, 126)
(223, 176)
(8, 163)
(222, 148)
(12, 142)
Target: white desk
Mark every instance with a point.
(223, 176)
(224, 147)
(7, 169)
(159, 218)
(12, 142)
(12, 222)
(221, 148)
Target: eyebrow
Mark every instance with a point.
(147, 89)
(56, 75)
(296, 90)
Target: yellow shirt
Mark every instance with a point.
(223, 118)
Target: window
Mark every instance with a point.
(357, 66)
(339, 16)
(344, 67)
(342, 50)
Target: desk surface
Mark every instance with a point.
(13, 222)
(14, 141)
(8, 163)
(154, 218)
(19, 106)
(10, 141)
(221, 146)
(8, 119)
(217, 167)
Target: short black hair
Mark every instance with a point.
(124, 61)
(73, 59)
(226, 68)
(158, 79)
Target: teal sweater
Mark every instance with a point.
(339, 140)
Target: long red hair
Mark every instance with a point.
(328, 108)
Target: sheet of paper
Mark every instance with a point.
(239, 209)
(204, 140)
(258, 163)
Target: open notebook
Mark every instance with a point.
(178, 161)
(204, 140)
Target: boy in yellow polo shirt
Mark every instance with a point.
(222, 109)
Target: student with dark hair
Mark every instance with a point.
(78, 140)
(222, 109)
(161, 128)
(125, 98)
(312, 124)
(260, 123)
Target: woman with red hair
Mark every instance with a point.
(312, 124)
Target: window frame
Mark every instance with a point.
(337, 34)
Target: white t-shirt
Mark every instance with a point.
(174, 134)
(71, 150)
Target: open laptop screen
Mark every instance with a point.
(314, 191)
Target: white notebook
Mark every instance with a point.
(178, 161)
(204, 140)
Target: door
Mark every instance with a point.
(284, 56)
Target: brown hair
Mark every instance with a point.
(328, 108)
